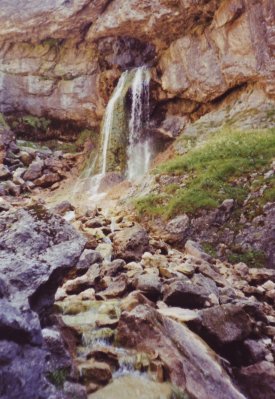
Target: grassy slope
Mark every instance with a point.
(214, 170)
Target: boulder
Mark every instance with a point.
(223, 325)
(130, 243)
(194, 293)
(37, 250)
(185, 357)
(47, 180)
(5, 174)
(258, 380)
(34, 171)
(149, 285)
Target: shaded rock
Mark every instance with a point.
(63, 207)
(149, 285)
(88, 258)
(178, 227)
(258, 380)
(255, 351)
(223, 324)
(130, 243)
(116, 288)
(46, 180)
(189, 293)
(34, 171)
(4, 205)
(37, 249)
(193, 248)
(184, 355)
(5, 174)
(73, 390)
(53, 343)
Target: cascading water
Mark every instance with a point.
(115, 154)
(108, 119)
(139, 148)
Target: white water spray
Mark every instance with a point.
(139, 151)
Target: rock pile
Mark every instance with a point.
(24, 169)
(164, 301)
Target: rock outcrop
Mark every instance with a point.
(61, 60)
(37, 250)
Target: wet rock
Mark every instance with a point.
(190, 293)
(106, 355)
(134, 299)
(258, 380)
(135, 388)
(184, 355)
(130, 243)
(99, 372)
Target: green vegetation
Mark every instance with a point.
(58, 377)
(36, 122)
(213, 170)
(251, 258)
(3, 122)
(209, 249)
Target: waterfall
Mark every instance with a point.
(108, 120)
(139, 151)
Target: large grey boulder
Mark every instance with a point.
(37, 250)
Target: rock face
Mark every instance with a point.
(37, 249)
(185, 357)
(61, 60)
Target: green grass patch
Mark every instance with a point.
(58, 377)
(36, 122)
(251, 258)
(3, 122)
(213, 169)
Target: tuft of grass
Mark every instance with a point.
(58, 377)
(3, 122)
(213, 169)
(36, 122)
(251, 258)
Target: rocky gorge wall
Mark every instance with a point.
(60, 60)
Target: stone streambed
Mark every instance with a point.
(101, 360)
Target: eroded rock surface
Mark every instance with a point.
(37, 250)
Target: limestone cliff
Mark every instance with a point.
(61, 59)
